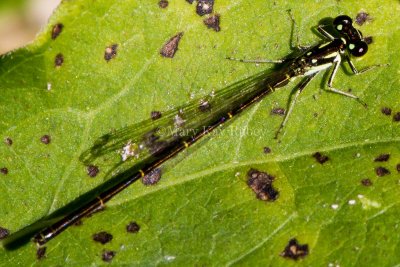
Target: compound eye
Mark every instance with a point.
(342, 23)
(358, 49)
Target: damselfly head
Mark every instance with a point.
(353, 37)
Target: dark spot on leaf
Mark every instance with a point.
(108, 255)
(190, 1)
(396, 117)
(320, 158)
(294, 250)
(278, 111)
(92, 170)
(366, 182)
(155, 115)
(267, 150)
(386, 111)
(382, 157)
(59, 60)
(163, 3)
(212, 22)
(369, 40)
(4, 170)
(204, 106)
(152, 178)
(56, 30)
(8, 141)
(381, 171)
(204, 7)
(45, 139)
(102, 237)
(362, 17)
(132, 227)
(40, 253)
(171, 46)
(4, 233)
(398, 167)
(110, 52)
(261, 184)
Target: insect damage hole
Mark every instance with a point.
(155, 115)
(110, 52)
(92, 170)
(102, 237)
(212, 22)
(163, 4)
(171, 46)
(261, 184)
(8, 141)
(152, 177)
(4, 170)
(45, 139)
(132, 227)
(4, 233)
(366, 182)
(363, 17)
(386, 111)
(204, 7)
(396, 117)
(59, 60)
(108, 255)
(382, 158)
(294, 250)
(381, 171)
(320, 158)
(57, 29)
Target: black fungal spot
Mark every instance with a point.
(267, 150)
(108, 255)
(278, 111)
(212, 22)
(294, 250)
(381, 171)
(163, 3)
(366, 182)
(190, 1)
(8, 141)
(261, 184)
(155, 115)
(362, 17)
(398, 167)
(396, 117)
(369, 40)
(320, 158)
(41, 253)
(102, 237)
(59, 60)
(382, 158)
(204, 7)
(4, 233)
(92, 170)
(204, 106)
(132, 227)
(386, 111)
(45, 139)
(171, 46)
(110, 52)
(4, 170)
(56, 30)
(152, 178)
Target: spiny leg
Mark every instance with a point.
(299, 89)
(297, 45)
(278, 61)
(356, 72)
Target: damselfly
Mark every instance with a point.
(153, 142)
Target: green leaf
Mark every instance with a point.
(202, 212)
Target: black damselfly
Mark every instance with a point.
(153, 142)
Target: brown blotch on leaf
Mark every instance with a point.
(294, 250)
(110, 52)
(8, 141)
(108, 255)
(381, 171)
(369, 40)
(278, 111)
(56, 30)
(212, 22)
(41, 253)
(366, 182)
(155, 115)
(267, 150)
(132, 227)
(320, 158)
(362, 17)
(382, 158)
(45, 139)
(92, 170)
(4, 233)
(152, 177)
(171, 46)
(204, 7)
(59, 60)
(261, 184)
(163, 4)
(4, 170)
(396, 117)
(386, 111)
(102, 237)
